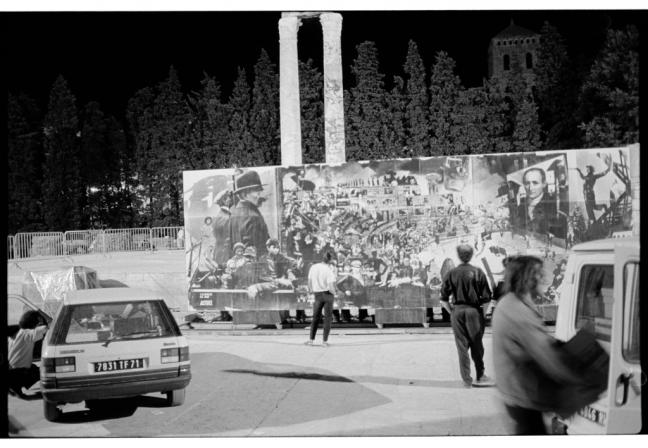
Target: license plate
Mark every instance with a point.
(594, 415)
(120, 364)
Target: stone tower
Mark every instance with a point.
(513, 48)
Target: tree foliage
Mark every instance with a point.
(71, 169)
(312, 112)
(445, 89)
(103, 159)
(264, 112)
(556, 90)
(393, 138)
(210, 136)
(24, 160)
(417, 102)
(240, 139)
(366, 108)
(63, 192)
(526, 132)
(610, 93)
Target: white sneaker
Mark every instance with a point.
(325, 344)
(484, 381)
(309, 342)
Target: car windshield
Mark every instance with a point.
(115, 321)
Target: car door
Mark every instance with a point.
(17, 305)
(624, 388)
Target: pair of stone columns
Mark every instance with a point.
(291, 150)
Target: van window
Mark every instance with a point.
(595, 298)
(631, 312)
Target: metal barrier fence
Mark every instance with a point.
(10, 247)
(35, 244)
(76, 242)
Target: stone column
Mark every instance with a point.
(289, 112)
(333, 92)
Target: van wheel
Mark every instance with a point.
(51, 411)
(175, 397)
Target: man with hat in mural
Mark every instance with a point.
(247, 224)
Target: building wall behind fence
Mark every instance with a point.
(536, 203)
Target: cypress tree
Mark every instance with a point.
(240, 139)
(211, 131)
(366, 109)
(610, 93)
(140, 119)
(171, 147)
(556, 90)
(417, 102)
(445, 88)
(393, 135)
(312, 112)
(264, 113)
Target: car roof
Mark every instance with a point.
(98, 295)
(607, 244)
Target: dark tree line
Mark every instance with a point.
(74, 167)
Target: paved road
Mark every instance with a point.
(273, 385)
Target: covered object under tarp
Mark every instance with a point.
(46, 288)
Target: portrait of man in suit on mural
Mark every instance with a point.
(538, 210)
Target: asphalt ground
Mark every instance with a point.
(388, 384)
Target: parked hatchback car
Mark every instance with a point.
(112, 343)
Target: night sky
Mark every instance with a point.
(107, 56)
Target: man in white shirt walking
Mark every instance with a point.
(321, 282)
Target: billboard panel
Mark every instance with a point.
(393, 225)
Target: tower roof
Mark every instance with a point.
(514, 30)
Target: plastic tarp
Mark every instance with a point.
(46, 288)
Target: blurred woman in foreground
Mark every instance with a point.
(528, 363)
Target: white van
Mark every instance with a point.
(601, 290)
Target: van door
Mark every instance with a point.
(624, 387)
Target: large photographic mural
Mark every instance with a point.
(253, 233)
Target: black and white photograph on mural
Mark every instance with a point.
(265, 223)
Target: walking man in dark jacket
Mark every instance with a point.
(247, 224)
(469, 288)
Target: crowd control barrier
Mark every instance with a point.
(94, 241)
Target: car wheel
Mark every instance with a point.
(175, 397)
(51, 411)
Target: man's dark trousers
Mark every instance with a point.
(468, 327)
(322, 300)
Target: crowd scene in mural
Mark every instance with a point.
(393, 225)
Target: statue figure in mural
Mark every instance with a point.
(247, 224)
(221, 227)
(589, 180)
(537, 211)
